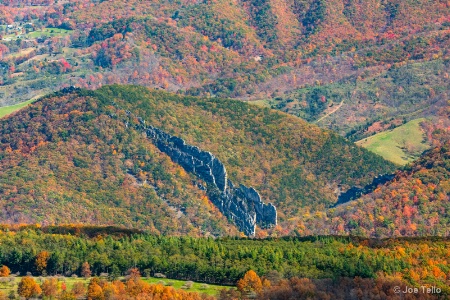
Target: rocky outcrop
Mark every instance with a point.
(356, 192)
(243, 205)
(203, 164)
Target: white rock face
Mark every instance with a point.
(243, 205)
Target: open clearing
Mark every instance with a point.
(400, 145)
(48, 32)
(6, 110)
(11, 283)
(209, 289)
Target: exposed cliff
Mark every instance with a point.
(243, 205)
(356, 192)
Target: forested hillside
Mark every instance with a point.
(415, 203)
(70, 157)
(357, 67)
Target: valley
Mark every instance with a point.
(384, 71)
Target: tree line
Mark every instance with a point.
(225, 260)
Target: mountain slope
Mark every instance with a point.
(65, 159)
(60, 165)
(415, 203)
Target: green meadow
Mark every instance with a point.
(400, 145)
(9, 284)
(7, 110)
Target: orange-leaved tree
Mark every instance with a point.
(95, 291)
(250, 283)
(134, 274)
(50, 288)
(78, 289)
(41, 261)
(28, 288)
(4, 271)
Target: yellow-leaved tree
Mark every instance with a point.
(95, 291)
(41, 261)
(250, 283)
(28, 288)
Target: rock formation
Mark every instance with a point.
(242, 205)
(191, 158)
(356, 192)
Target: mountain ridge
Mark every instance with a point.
(285, 177)
(243, 205)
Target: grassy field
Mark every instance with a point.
(196, 287)
(6, 110)
(11, 283)
(49, 32)
(263, 103)
(22, 52)
(400, 145)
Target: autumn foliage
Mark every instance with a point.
(86, 270)
(101, 289)
(28, 288)
(137, 289)
(251, 282)
(346, 288)
(417, 261)
(50, 287)
(414, 203)
(4, 271)
(41, 261)
(292, 164)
